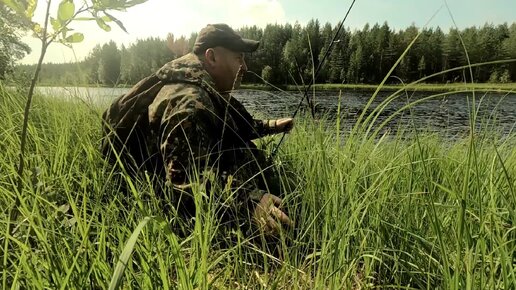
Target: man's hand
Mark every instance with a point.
(269, 217)
(284, 124)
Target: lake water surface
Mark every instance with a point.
(448, 114)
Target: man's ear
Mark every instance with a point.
(209, 55)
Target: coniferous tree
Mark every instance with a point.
(435, 52)
(254, 61)
(296, 54)
(144, 58)
(275, 37)
(509, 51)
(355, 61)
(11, 46)
(452, 55)
(109, 64)
(326, 38)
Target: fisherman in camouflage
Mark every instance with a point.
(183, 120)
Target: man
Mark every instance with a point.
(182, 120)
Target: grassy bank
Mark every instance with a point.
(370, 212)
(492, 87)
(481, 87)
(425, 87)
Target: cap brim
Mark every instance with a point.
(249, 45)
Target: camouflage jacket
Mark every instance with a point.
(184, 126)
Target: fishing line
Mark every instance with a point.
(312, 80)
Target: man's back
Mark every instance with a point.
(187, 123)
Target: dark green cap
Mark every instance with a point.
(222, 35)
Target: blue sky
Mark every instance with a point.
(181, 17)
(401, 13)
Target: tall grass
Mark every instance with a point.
(370, 212)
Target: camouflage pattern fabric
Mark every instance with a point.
(174, 123)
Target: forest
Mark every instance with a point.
(288, 55)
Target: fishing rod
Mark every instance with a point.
(312, 80)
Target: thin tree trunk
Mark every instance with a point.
(23, 135)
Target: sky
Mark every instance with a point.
(157, 18)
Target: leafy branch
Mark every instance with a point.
(99, 11)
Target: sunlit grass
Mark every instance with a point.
(371, 211)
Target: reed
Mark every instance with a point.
(413, 210)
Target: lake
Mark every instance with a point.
(448, 115)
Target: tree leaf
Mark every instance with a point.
(105, 18)
(74, 38)
(102, 24)
(66, 10)
(36, 28)
(31, 7)
(135, 2)
(118, 22)
(56, 25)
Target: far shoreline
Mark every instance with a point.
(424, 87)
(484, 87)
